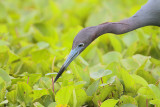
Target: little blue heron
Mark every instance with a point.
(149, 14)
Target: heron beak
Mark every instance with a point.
(73, 54)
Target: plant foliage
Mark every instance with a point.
(115, 70)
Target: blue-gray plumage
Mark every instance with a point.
(149, 14)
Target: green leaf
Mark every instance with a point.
(4, 75)
(23, 91)
(155, 102)
(42, 45)
(144, 59)
(146, 92)
(12, 96)
(32, 78)
(141, 100)
(53, 104)
(129, 82)
(3, 13)
(40, 55)
(155, 61)
(139, 81)
(46, 83)
(4, 102)
(147, 76)
(129, 105)
(78, 98)
(2, 89)
(111, 57)
(109, 103)
(125, 99)
(102, 93)
(129, 39)
(92, 88)
(129, 64)
(37, 104)
(2, 42)
(63, 95)
(100, 73)
(116, 43)
(38, 93)
(4, 55)
(155, 90)
(84, 75)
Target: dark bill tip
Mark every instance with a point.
(59, 73)
(73, 54)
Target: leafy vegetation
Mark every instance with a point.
(115, 70)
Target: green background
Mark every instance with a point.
(115, 70)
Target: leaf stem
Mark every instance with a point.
(28, 80)
(52, 85)
(146, 102)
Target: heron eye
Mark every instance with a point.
(81, 44)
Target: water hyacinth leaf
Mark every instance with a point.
(73, 100)
(51, 74)
(42, 45)
(111, 80)
(155, 102)
(139, 80)
(129, 82)
(34, 32)
(4, 75)
(3, 12)
(131, 50)
(63, 95)
(109, 103)
(32, 78)
(90, 53)
(147, 76)
(4, 55)
(144, 59)
(2, 89)
(92, 88)
(13, 57)
(146, 92)
(52, 104)
(129, 39)
(84, 75)
(23, 91)
(129, 105)
(38, 93)
(96, 17)
(127, 100)
(155, 90)
(112, 57)
(83, 61)
(3, 102)
(116, 43)
(99, 74)
(45, 82)
(102, 93)
(141, 100)
(2, 42)
(12, 96)
(37, 104)
(78, 98)
(130, 64)
(40, 55)
(155, 61)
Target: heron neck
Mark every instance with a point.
(120, 27)
(149, 14)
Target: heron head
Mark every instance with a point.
(81, 41)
